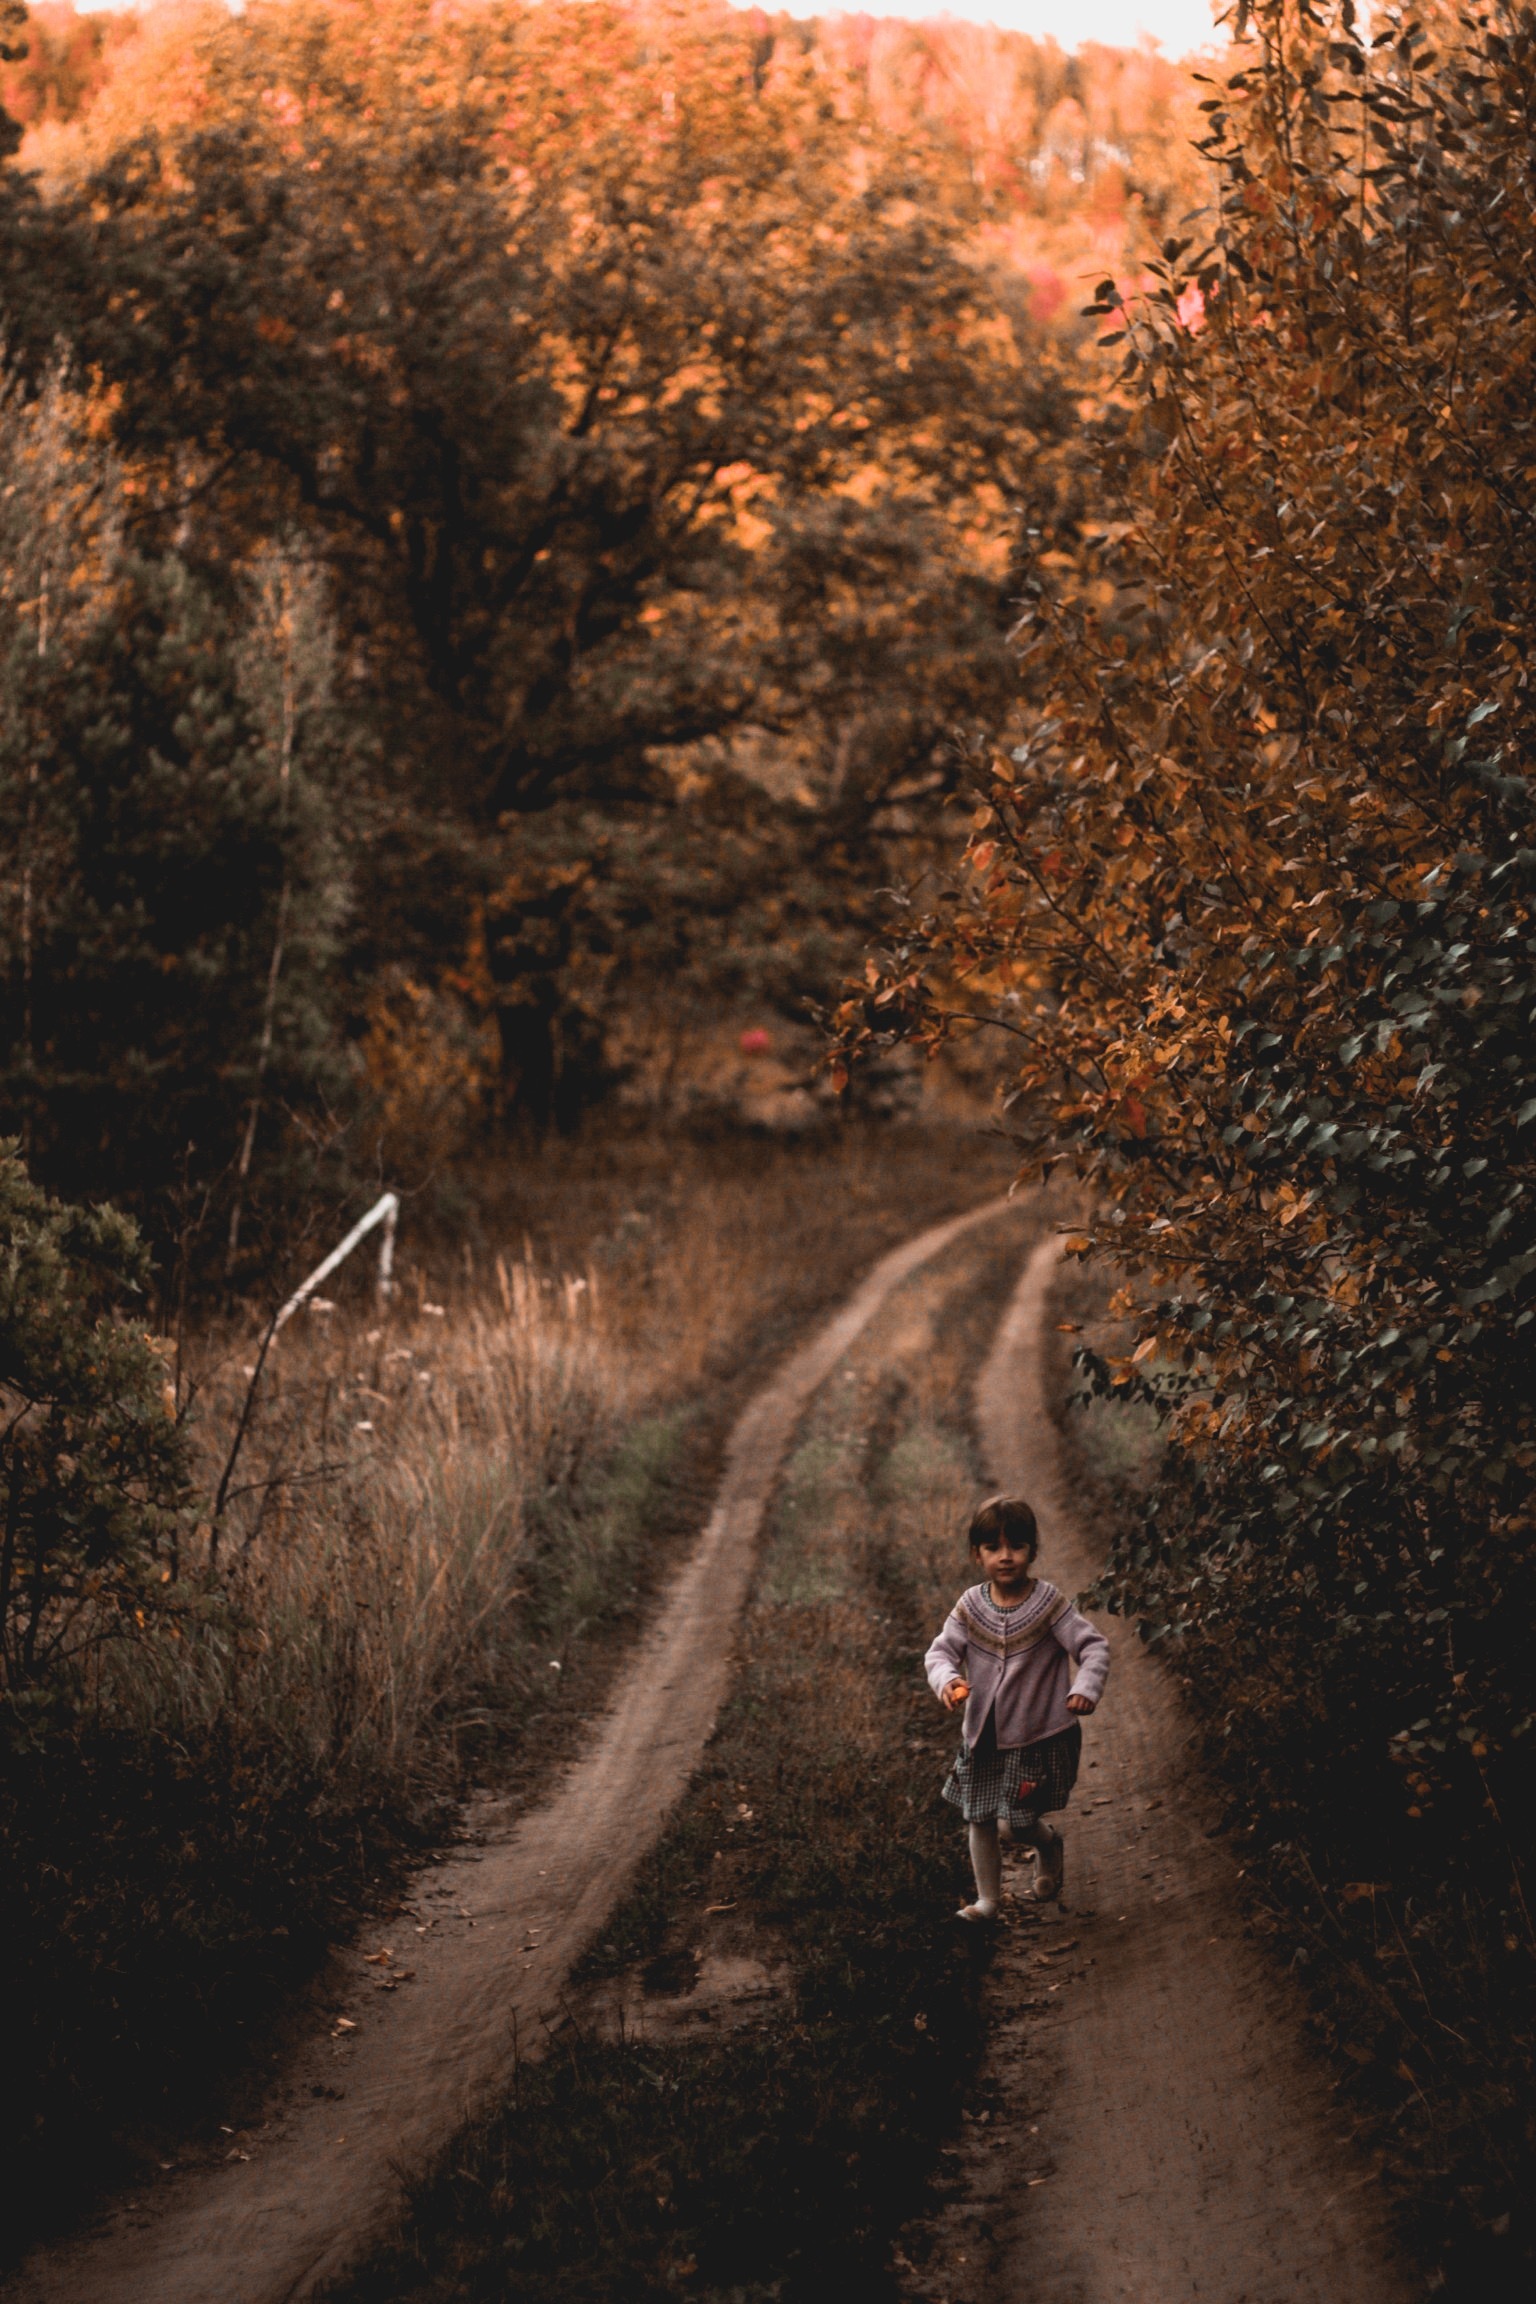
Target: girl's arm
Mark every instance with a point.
(946, 1659)
(1089, 1651)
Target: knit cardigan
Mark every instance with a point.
(1018, 1661)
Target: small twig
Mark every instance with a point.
(285, 1480)
(247, 1410)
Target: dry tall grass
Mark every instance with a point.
(432, 1499)
(370, 1564)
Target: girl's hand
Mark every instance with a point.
(954, 1695)
(1080, 1704)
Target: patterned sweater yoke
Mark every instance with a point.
(1023, 1663)
(1008, 1632)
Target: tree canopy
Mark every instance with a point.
(655, 405)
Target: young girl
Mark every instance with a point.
(1007, 1653)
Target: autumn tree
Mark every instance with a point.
(169, 761)
(52, 63)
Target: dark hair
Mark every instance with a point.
(1002, 1516)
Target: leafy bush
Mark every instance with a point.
(92, 1462)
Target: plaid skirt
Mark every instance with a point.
(1021, 1782)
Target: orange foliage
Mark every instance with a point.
(65, 65)
(1067, 163)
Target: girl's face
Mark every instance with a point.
(1006, 1563)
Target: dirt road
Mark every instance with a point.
(1158, 2132)
(489, 1938)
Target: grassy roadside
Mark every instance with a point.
(501, 1477)
(763, 2053)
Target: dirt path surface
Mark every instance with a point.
(482, 1949)
(1150, 2127)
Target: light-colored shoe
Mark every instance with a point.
(1050, 1853)
(974, 1917)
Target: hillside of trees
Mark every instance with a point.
(540, 485)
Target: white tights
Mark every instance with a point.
(987, 1861)
(987, 1864)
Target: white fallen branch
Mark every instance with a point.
(384, 1211)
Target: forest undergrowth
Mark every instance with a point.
(440, 1513)
(770, 2141)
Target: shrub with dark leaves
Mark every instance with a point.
(92, 1459)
